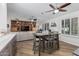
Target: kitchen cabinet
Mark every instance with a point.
(25, 35)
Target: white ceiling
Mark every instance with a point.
(35, 9)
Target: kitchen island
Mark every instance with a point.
(8, 44)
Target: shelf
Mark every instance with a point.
(22, 25)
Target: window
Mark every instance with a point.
(62, 26)
(45, 26)
(74, 26)
(70, 26)
(67, 26)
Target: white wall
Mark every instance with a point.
(3, 17)
(66, 38)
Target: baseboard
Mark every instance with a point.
(70, 43)
(25, 40)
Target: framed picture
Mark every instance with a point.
(53, 24)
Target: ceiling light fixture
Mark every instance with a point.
(56, 11)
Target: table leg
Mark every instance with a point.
(43, 45)
(39, 45)
(57, 42)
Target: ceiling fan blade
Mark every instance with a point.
(48, 11)
(62, 10)
(51, 6)
(64, 5)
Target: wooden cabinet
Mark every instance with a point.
(10, 49)
(17, 26)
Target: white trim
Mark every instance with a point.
(74, 40)
(73, 36)
(70, 43)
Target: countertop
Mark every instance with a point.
(5, 39)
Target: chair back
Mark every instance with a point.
(50, 36)
(53, 35)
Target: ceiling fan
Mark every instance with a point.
(57, 9)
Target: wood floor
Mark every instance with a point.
(24, 48)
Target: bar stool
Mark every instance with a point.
(56, 41)
(36, 44)
(54, 35)
(50, 43)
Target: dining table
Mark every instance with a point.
(42, 36)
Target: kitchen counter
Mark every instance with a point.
(5, 39)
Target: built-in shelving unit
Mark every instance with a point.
(22, 26)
